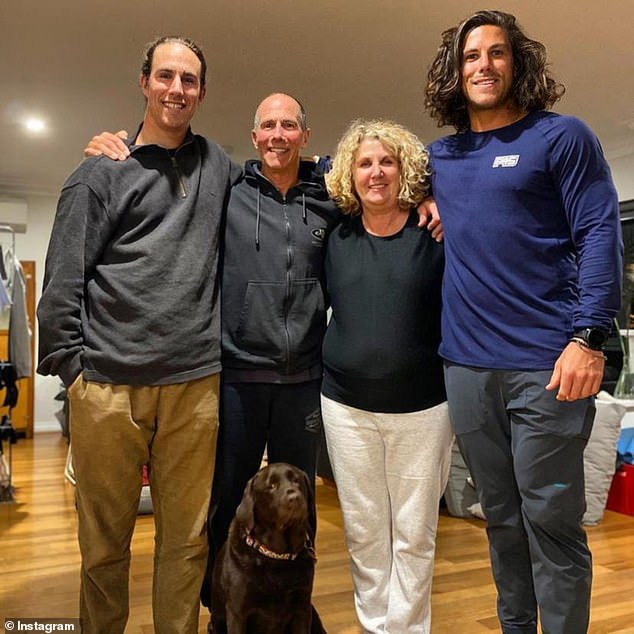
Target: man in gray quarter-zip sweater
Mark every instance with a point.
(129, 320)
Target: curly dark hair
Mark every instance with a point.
(533, 87)
(146, 66)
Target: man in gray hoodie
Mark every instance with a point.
(129, 320)
(273, 308)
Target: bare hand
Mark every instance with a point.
(110, 145)
(430, 218)
(578, 373)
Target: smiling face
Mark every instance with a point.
(376, 176)
(173, 92)
(487, 74)
(278, 135)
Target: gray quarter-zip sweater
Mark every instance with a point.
(130, 291)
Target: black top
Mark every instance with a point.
(380, 350)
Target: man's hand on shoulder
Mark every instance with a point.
(429, 217)
(110, 145)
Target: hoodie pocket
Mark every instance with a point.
(261, 329)
(280, 328)
(306, 321)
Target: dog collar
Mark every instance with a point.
(267, 552)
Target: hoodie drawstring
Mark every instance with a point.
(304, 207)
(257, 221)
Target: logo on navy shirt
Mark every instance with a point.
(506, 161)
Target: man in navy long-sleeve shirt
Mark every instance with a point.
(532, 283)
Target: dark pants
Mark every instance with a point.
(524, 450)
(284, 418)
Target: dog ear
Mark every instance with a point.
(310, 501)
(245, 511)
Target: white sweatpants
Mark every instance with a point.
(391, 471)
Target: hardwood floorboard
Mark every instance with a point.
(39, 559)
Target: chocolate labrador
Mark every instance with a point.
(263, 574)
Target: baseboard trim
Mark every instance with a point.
(46, 426)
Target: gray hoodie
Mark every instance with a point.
(273, 303)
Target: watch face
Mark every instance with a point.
(596, 337)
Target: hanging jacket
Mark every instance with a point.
(19, 329)
(273, 306)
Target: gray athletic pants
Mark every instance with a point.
(525, 453)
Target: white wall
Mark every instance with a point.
(623, 175)
(32, 245)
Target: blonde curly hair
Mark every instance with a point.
(404, 145)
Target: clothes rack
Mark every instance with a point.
(8, 435)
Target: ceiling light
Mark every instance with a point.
(35, 125)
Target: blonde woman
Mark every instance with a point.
(383, 398)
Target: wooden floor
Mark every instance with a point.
(39, 559)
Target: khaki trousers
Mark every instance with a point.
(115, 430)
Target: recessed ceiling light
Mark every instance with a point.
(35, 125)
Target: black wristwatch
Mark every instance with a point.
(595, 338)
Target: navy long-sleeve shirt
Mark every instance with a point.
(532, 241)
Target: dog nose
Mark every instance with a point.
(292, 494)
